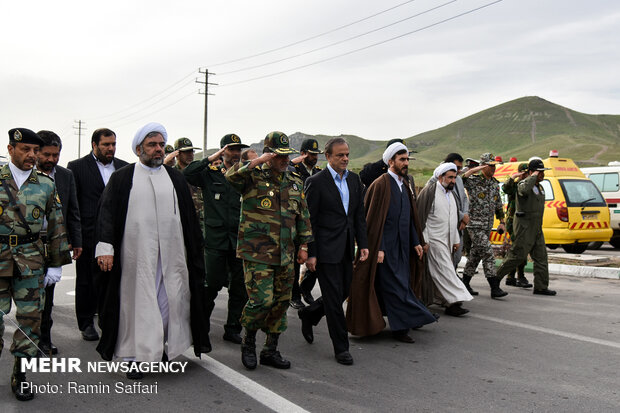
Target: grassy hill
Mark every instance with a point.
(522, 128)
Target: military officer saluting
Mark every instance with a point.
(484, 202)
(528, 233)
(305, 166)
(222, 206)
(27, 197)
(274, 216)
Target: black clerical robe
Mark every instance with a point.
(116, 196)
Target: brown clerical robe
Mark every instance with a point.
(364, 316)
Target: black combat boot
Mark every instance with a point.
(270, 356)
(496, 292)
(466, 280)
(22, 392)
(248, 349)
(511, 280)
(523, 282)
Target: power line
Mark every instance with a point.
(145, 100)
(312, 37)
(153, 103)
(363, 48)
(338, 42)
(157, 111)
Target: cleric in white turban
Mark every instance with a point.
(392, 150)
(149, 251)
(150, 128)
(443, 168)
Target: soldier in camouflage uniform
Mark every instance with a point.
(222, 206)
(27, 197)
(274, 216)
(484, 202)
(510, 189)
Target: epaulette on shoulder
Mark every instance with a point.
(214, 168)
(296, 175)
(318, 168)
(45, 175)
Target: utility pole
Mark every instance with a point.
(79, 129)
(206, 93)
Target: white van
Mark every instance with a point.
(607, 179)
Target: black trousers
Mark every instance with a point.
(85, 292)
(306, 285)
(46, 315)
(335, 283)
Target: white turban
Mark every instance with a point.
(443, 168)
(145, 130)
(392, 150)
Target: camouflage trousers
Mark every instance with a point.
(480, 250)
(269, 292)
(29, 296)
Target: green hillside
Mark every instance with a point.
(522, 128)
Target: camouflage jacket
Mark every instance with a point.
(484, 201)
(37, 199)
(274, 214)
(197, 198)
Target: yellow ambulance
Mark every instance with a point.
(575, 211)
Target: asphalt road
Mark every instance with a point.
(522, 353)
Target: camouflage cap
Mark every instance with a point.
(488, 159)
(168, 149)
(277, 142)
(23, 135)
(310, 145)
(232, 140)
(184, 144)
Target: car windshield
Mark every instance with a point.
(581, 192)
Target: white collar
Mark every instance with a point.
(19, 175)
(148, 168)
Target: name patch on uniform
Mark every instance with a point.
(265, 203)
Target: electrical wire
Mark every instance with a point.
(145, 100)
(338, 42)
(361, 48)
(312, 37)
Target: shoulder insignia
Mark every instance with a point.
(58, 199)
(317, 168)
(1, 210)
(303, 196)
(295, 174)
(213, 168)
(42, 174)
(265, 203)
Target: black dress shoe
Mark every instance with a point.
(274, 359)
(308, 298)
(523, 283)
(90, 334)
(402, 336)
(546, 291)
(48, 348)
(54, 349)
(344, 358)
(205, 345)
(455, 310)
(296, 303)
(232, 337)
(306, 330)
(511, 281)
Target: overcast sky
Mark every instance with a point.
(121, 64)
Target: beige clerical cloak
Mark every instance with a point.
(441, 233)
(154, 289)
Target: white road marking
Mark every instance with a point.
(256, 391)
(578, 337)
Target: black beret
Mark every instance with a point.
(23, 135)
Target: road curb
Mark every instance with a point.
(564, 269)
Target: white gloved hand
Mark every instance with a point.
(52, 276)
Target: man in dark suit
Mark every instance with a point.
(335, 202)
(47, 162)
(91, 173)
